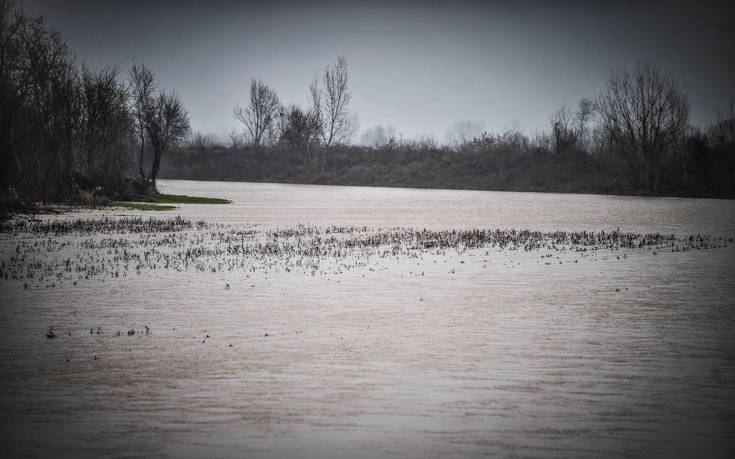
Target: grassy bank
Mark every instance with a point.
(183, 199)
(141, 206)
(154, 202)
(159, 202)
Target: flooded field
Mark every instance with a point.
(314, 321)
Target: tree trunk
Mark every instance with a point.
(140, 159)
(155, 168)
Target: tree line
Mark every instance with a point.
(68, 130)
(633, 137)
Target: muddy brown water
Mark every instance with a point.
(445, 354)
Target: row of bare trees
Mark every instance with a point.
(640, 118)
(635, 132)
(66, 127)
(312, 131)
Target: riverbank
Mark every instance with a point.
(532, 171)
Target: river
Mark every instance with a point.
(455, 351)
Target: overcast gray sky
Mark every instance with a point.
(419, 66)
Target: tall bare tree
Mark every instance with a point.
(334, 97)
(260, 115)
(644, 115)
(143, 86)
(167, 123)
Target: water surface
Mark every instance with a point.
(458, 353)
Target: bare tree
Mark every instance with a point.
(167, 123)
(260, 115)
(643, 115)
(332, 103)
(142, 89)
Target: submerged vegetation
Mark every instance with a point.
(83, 226)
(59, 251)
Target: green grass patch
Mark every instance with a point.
(141, 206)
(183, 199)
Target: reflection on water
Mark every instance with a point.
(453, 351)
